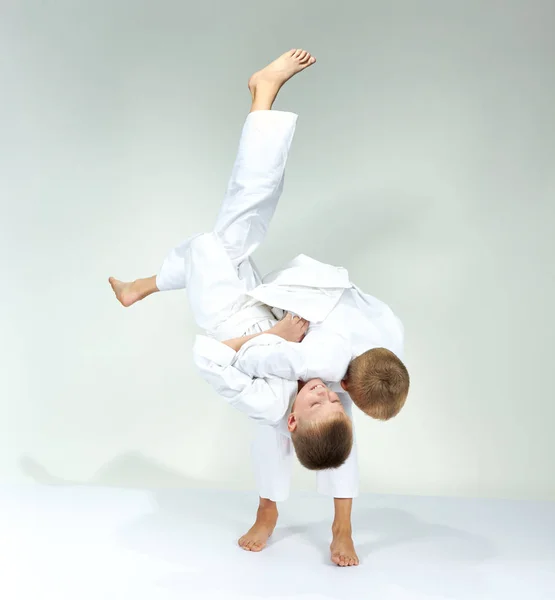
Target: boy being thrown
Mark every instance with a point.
(218, 274)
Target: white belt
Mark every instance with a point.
(242, 321)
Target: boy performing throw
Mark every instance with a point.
(218, 274)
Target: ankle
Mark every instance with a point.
(342, 529)
(263, 96)
(267, 506)
(146, 286)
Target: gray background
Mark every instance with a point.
(423, 162)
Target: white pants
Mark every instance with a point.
(217, 271)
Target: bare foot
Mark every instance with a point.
(130, 292)
(256, 537)
(282, 69)
(343, 550)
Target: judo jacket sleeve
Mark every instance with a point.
(263, 400)
(322, 354)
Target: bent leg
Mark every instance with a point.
(272, 458)
(257, 536)
(272, 454)
(253, 191)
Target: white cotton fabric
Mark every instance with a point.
(216, 270)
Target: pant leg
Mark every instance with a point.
(256, 182)
(250, 201)
(272, 455)
(344, 481)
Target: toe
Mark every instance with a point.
(298, 52)
(302, 55)
(335, 558)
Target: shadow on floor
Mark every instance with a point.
(185, 524)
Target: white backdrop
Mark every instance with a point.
(423, 162)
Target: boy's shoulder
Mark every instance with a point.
(308, 272)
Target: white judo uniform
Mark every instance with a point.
(344, 323)
(217, 272)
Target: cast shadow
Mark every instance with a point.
(181, 516)
(376, 530)
(130, 470)
(174, 496)
(429, 560)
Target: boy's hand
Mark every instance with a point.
(290, 328)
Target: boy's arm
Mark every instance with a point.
(263, 400)
(290, 328)
(237, 343)
(321, 354)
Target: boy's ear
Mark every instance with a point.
(344, 385)
(292, 422)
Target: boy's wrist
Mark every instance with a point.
(237, 343)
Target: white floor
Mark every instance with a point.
(80, 542)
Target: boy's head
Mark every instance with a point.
(378, 383)
(321, 431)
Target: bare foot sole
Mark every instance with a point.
(126, 292)
(257, 536)
(343, 551)
(282, 69)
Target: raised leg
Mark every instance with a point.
(256, 181)
(254, 189)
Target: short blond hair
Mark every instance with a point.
(378, 383)
(324, 444)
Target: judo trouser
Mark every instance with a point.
(216, 270)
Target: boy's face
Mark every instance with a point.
(314, 402)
